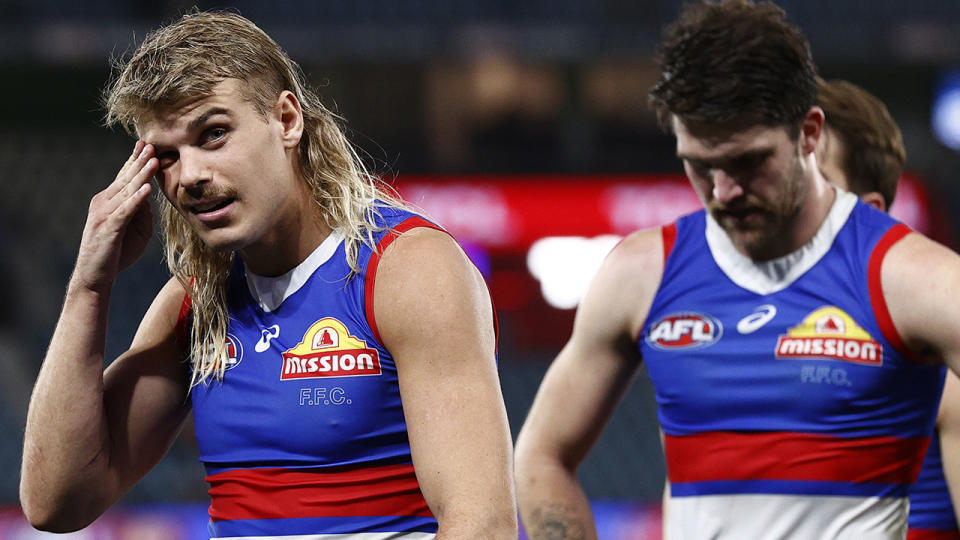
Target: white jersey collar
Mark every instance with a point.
(270, 292)
(768, 277)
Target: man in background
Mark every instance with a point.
(791, 331)
(862, 151)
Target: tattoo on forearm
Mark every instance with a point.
(556, 521)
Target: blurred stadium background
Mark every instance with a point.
(522, 126)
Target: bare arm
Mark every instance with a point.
(921, 284)
(582, 388)
(435, 317)
(89, 435)
(948, 424)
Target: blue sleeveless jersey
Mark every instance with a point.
(931, 510)
(788, 408)
(305, 435)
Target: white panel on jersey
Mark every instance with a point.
(270, 292)
(785, 517)
(768, 277)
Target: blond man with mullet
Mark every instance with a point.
(336, 349)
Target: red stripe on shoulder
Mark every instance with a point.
(183, 320)
(669, 233)
(875, 287)
(371, 276)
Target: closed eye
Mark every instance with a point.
(168, 158)
(747, 163)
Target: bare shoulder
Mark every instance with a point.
(420, 242)
(920, 282)
(163, 316)
(155, 347)
(425, 282)
(916, 251)
(426, 258)
(639, 255)
(621, 293)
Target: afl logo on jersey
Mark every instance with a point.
(234, 351)
(684, 330)
(328, 350)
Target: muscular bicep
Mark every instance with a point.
(593, 371)
(436, 319)
(145, 390)
(948, 424)
(921, 282)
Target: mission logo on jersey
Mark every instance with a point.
(685, 330)
(328, 350)
(830, 333)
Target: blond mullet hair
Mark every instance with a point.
(186, 60)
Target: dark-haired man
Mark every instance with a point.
(780, 326)
(861, 150)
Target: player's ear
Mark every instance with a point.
(287, 111)
(875, 199)
(811, 129)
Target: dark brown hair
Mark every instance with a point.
(873, 154)
(734, 61)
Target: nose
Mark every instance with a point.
(725, 187)
(194, 170)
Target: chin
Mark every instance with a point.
(222, 241)
(764, 248)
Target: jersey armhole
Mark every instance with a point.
(182, 330)
(371, 275)
(669, 234)
(880, 311)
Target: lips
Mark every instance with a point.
(212, 208)
(202, 208)
(742, 217)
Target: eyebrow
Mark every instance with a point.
(727, 160)
(200, 120)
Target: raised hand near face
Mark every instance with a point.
(119, 223)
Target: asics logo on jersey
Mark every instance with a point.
(266, 335)
(754, 321)
(684, 330)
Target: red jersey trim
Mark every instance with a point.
(725, 455)
(371, 276)
(181, 331)
(932, 534)
(669, 233)
(875, 288)
(274, 493)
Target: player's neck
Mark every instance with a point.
(288, 245)
(812, 214)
